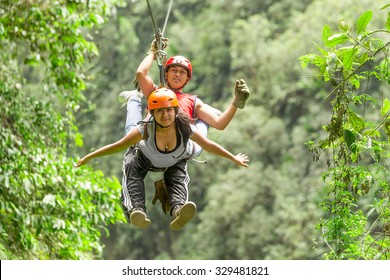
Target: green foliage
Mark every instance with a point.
(252, 218)
(102, 120)
(271, 129)
(358, 138)
(259, 41)
(49, 209)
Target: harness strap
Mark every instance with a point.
(145, 122)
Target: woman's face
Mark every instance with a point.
(164, 116)
(177, 76)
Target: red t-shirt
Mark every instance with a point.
(187, 103)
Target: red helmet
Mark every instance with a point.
(162, 98)
(180, 61)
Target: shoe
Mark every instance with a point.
(139, 219)
(182, 215)
(125, 95)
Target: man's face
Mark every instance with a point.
(177, 76)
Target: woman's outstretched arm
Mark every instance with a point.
(213, 147)
(131, 138)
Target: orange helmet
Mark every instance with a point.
(179, 61)
(162, 98)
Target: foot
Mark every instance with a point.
(183, 215)
(125, 95)
(139, 219)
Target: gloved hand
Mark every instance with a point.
(161, 193)
(153, 46)
(241, 94)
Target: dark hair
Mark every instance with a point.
(183, 124)
(182, 121)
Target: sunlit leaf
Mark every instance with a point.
(59, 224)
(326, 33)
(356, 121)
(49, 199)
(348, 59)
(363, 21)
(336, 39)
(385, 107)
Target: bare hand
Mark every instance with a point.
(81, 162)
(241, 160)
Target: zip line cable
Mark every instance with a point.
(161, 55)
(151, 15)
(167, 16)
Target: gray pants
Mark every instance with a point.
(135, 168)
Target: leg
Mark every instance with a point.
(133, 190)
(177, 180)
(134, 109)
(203, 128)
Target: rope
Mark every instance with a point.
(167, 16)
(161, 55)
(151, 15)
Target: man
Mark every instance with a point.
(178, 72)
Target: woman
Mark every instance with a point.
(178, 72)
(163, 145)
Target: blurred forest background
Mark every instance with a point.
(61, 73)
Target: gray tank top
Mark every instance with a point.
(163, 160)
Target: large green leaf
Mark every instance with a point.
(363, 21)
(356, 121)
(336, 39)
(350, 139)
(326, 33)
(385, 108)
(349, 58)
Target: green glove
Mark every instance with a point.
(161, 194)
(241, 94)
(153, 47)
